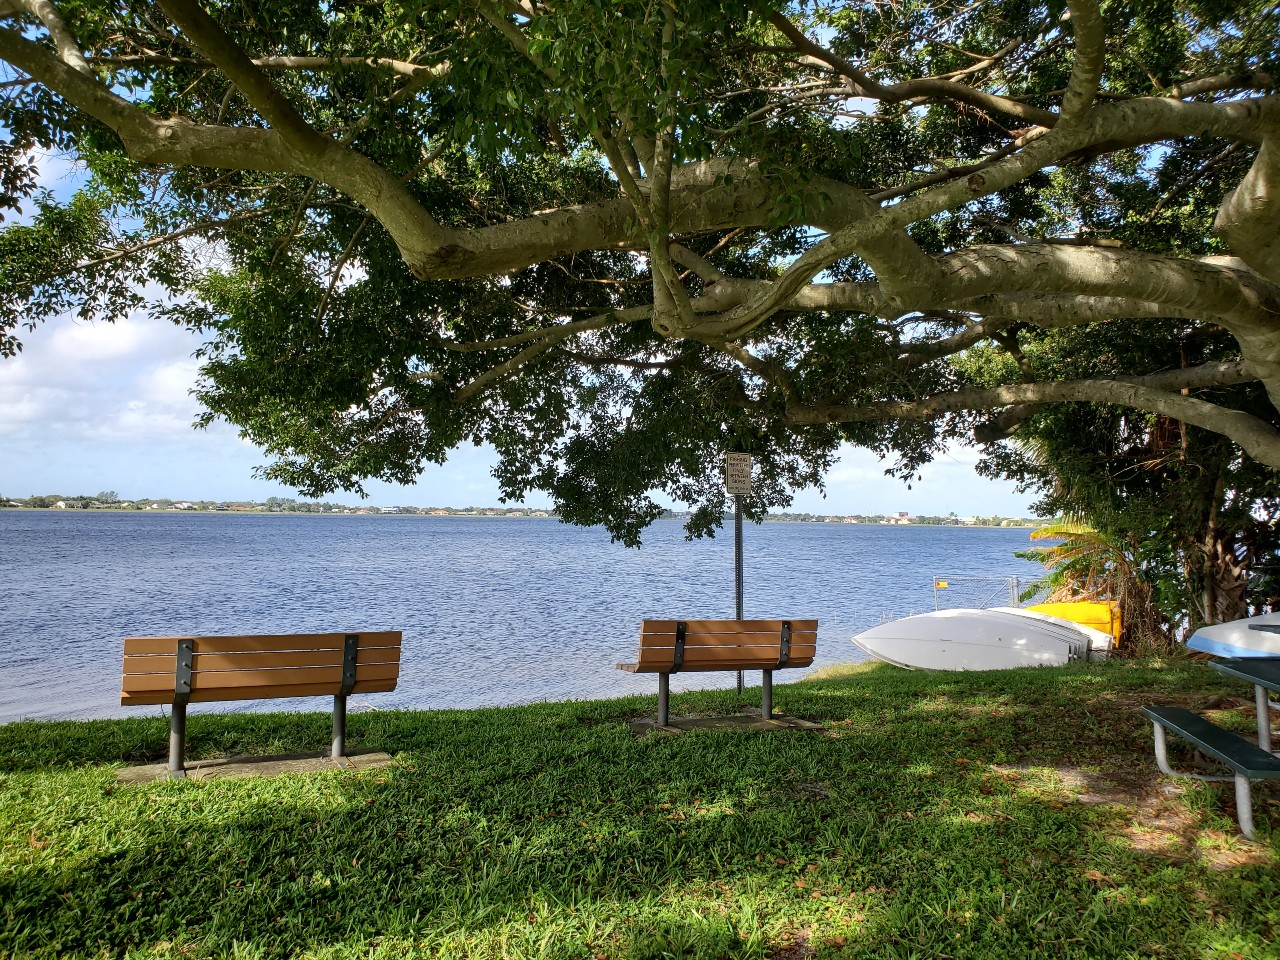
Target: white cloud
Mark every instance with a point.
(125, 379)
(857, 484)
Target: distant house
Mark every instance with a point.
(388, 509)
(60, 505)
(439, 513)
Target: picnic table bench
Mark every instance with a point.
(182, 670)
(673, 646)
(1247, 761)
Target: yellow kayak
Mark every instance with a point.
(1099, 614)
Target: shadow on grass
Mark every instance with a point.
(921, 821)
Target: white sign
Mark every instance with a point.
(737, 473)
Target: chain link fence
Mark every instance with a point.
(981, 593)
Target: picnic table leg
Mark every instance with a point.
(177, 739)
(339, 726)
(1261, 698)
(1244, 805)
(766, 694)
(664, 698)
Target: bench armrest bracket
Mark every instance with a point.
(182, 672)
(677, 658)
(350, 646)
(784, 645)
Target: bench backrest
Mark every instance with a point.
(250, 667)
(726, 644)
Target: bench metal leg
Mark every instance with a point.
(1162, 761)
(339, 726)
(1244, 791)
(1264, 717)
(1244, 805)
(664, 698)
(177, 740)
(766, 694)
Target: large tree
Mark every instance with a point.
(615, 238)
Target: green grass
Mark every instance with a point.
(935, 815)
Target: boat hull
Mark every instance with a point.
(1236, 638)
(997, 639)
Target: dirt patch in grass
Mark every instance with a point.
(1161, 824)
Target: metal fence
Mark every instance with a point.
(983, 592)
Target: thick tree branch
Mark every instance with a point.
(1231, 81)
(918, 353)
(1147, 119)
(207, 34)
(1086, 69)
(986, 275)
(1249, 218)
(178, 142)
(64, 42)
(1258, 438)
(767, 370)
(492, 376)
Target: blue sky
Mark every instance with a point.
(92, 407)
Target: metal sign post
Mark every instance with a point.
(737, 482)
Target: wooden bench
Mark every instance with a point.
(1246, 760)
(673, 646)
(182, 670)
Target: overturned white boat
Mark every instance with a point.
(996, 639)
(1251, 637)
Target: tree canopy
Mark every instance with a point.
(615, 238)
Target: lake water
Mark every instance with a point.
(494, 611)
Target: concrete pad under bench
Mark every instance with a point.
(742, 721)
(257, 766)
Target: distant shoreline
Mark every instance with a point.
(496, 516)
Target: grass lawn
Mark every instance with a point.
(934, 815)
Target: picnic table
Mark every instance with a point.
(1264, 674)
(1246, 760)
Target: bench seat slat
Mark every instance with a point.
(713, 657)
(254, 661)
(148, 697)
(266, 643)
(707, 641)
(720, 665)
(1239, 754)
(280, 678)
(727, 626)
